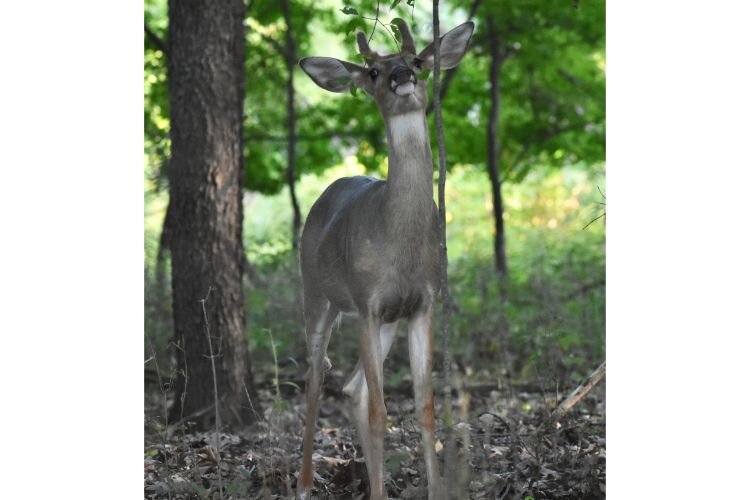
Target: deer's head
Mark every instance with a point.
(390, 79)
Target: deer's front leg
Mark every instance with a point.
(319, 318)
(372, 437)
(420, 357)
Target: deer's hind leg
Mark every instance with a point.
(367, 399)
(319, 317)
(420, 357)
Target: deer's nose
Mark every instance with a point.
(402, 75)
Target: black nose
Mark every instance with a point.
(402, 75)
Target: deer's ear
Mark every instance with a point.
(334, 75)
(453, 46)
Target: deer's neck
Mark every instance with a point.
(408, 198)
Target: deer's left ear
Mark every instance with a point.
(453, 46)
(334, 75)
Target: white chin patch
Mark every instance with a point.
(405, 89)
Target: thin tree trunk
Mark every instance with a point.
(493, 156)
(446, 301)
(451, 73)
(291, 61)
(493, 169)
(206, 91)
(444, 289)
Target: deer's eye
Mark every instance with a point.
(373, 73)
(417, 63)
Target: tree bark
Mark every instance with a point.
(290, 55)
(206, 91)
(493, 154)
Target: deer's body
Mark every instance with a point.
(371, 248)
(372, 245)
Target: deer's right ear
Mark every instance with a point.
(334, 75)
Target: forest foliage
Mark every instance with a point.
(551, 163)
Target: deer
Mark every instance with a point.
(371, 248)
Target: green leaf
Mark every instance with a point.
(353, 90)
(351, 26)
(350, 11)
(424, 75)
(410, 3)
(395, 3)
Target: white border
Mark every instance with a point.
(72, 241)
(677, 249)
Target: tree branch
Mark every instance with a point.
(155, 39)
(375, 25)
(542, 138)
(451, 73)
(573, 80)
(275, 44)
(584, 289)
(316, 137)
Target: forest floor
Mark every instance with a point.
(504, 447)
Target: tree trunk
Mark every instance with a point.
(206, 92)
(446, 317)
(493, 155)
(446, 300)
(291, 62)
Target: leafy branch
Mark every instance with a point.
(603, 214)
(391, 28)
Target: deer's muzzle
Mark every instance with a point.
(403, 81)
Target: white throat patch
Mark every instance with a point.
(409, 127)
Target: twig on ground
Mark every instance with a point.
(216, 393)
(275, 366)
(580, 391)
(496, 417)
(183, 395)
(186, 418)
(505, 491)
(250, 401)
(163, 434)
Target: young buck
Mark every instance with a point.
(371, 248)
